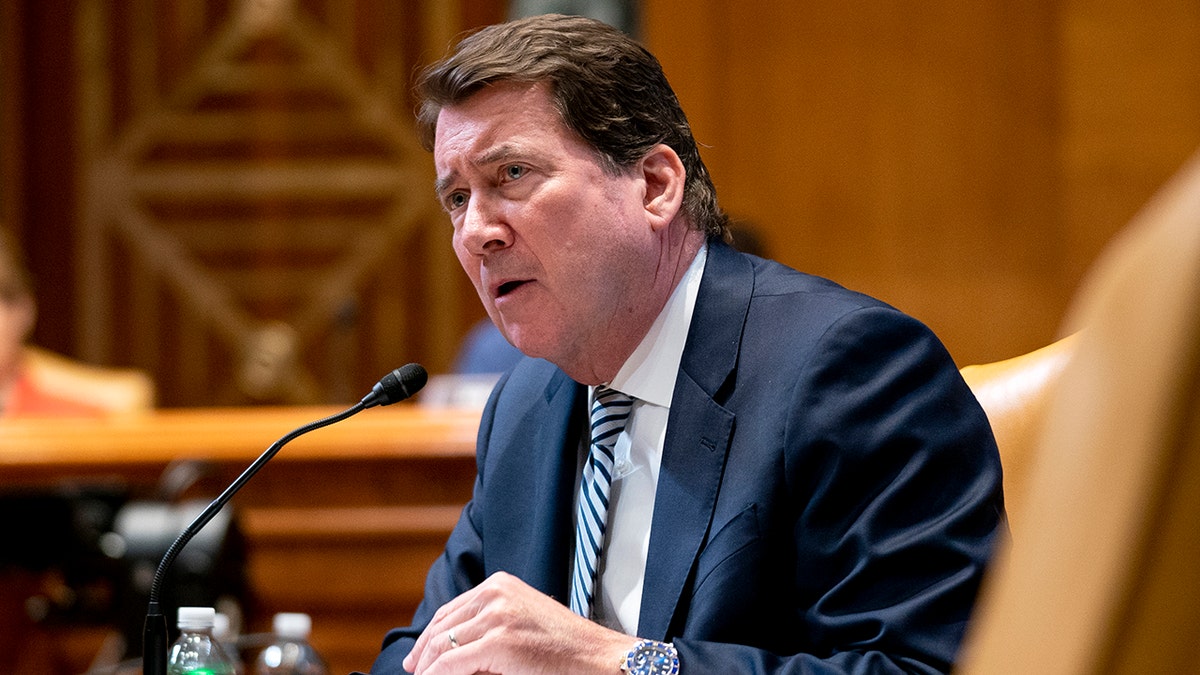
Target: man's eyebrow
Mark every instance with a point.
(442, 184)
(499, 153)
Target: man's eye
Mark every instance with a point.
(514, 171)
(455, 200)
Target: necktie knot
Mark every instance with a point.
(610, 412)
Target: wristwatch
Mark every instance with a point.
(651, 657)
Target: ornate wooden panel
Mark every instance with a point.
(256, 218)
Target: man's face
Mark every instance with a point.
(561, 253)
(16, 321)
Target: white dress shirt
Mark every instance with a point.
(649, 377)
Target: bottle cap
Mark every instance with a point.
(196, 617)
(292, 624)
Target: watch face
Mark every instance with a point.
(653, 659)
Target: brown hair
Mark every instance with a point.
(15, 282)
(608, 89)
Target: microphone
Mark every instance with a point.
(394, 387)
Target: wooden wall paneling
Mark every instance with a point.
(963, 129)
(270, 185)
(95, 84)
(965, 162)
(44, 154)
(907, 153)
(1130, 99)
(11, 90)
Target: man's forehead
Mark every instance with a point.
(494, 124)
(480, 143)
(503, 101)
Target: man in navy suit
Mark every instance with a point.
(801, 482)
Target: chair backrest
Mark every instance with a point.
(1103, 572)
(1015, 393)
(111, 390)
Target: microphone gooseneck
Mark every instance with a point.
(394, 387)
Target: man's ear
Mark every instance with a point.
(664, 176)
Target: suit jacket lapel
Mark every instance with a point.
(697, 439)
(567, 400)
(548, 566)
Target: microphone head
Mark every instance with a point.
(397, 385)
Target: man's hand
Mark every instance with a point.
(505, 627)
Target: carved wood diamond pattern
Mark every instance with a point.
(258, 222)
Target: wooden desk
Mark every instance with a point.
(343, 523)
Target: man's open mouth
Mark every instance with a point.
(509, 286)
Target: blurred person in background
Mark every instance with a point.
(21, 394)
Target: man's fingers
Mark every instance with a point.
(446, 616)
(452, 647)
(461, 622)
(457, 628)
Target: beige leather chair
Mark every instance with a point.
(1015, 394)
(113, 390)
(1102, 572)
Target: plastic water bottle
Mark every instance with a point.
(196, 652)
(226, 636)
(290, 654)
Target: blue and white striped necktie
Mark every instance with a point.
(610, 412)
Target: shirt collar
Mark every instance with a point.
(650, 371)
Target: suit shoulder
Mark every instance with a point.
(776, 280)
(530, 384)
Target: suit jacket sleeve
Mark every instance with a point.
(457, 570)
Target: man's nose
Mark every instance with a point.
(484, 227)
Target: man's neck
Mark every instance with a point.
(602, 362)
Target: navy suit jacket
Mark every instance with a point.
(829, 492)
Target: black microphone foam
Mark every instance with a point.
(397, 385)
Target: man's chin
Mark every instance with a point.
(527, 344)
